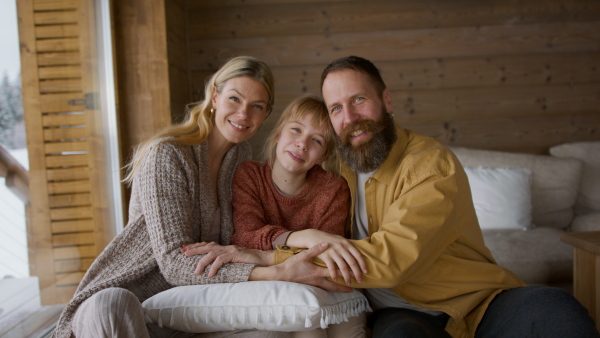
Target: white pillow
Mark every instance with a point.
(261, 305)
(502, 197)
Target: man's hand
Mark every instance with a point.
(341, 254)
(300, 269)
(218, 255)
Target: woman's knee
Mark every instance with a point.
(108, 310)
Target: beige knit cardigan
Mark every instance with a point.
(171, 205)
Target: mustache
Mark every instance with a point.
(369, 126)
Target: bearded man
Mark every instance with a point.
(429, 273)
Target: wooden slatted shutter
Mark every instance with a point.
(69, 222)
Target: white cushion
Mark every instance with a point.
(502, 197)
(554, 181)
(587, 222)
(588, 198)
(265, 305)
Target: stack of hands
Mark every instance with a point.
(337, 253)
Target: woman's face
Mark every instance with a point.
(300, 145)
(241, 107)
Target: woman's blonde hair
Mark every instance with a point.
(307, 104)
(199, 121)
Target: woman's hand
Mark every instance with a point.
(218, 255)
(340, 252)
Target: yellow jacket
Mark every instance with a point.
(425, 242)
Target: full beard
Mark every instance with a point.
(369, 156)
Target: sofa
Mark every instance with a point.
(525, 202)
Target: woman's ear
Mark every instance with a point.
(214, 98)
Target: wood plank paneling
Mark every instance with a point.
(177, 54)
(524, 134)
(59, 103)
(72, 265)
(402, 45)
(54, 5)
(56, 120)
(285, 19)
(61, 214)
(78, 238)
(57, 31)
(71, 200)
(56, 17)
(58, 59)
(60, 86)
(439, 73)
(64, 174)
(61, 147)
(69, 187)
(73, 226)
(512, 102)
(71, 252)
(57, 134)
(59, 72)
(58, 45)
(69, 278)
(59, 161)
(451, 66)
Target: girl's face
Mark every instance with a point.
(241, 107)
(300, 145)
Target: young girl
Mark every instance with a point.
(289, 198)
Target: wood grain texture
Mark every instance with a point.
(402, 44)
(40, 234)
(586, 259)
(490, 74)
(289, 18)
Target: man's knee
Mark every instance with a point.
(536, 311)
(393, 322)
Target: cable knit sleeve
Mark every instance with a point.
(168, 190)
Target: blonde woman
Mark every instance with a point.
(181, 194)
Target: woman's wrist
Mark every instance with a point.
(263, 273)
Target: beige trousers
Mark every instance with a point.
(117, 312)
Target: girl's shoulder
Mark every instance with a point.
(250, 170)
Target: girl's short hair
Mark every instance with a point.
(307, 104)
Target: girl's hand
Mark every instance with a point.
(340, 254)
(218, 255)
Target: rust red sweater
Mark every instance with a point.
(261, 213)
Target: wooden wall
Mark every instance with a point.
(508, 75)
(179, 81)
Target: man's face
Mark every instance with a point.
(361, 119)
(350, 96)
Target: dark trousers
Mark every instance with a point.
(532, 311)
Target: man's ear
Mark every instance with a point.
(387, 100)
